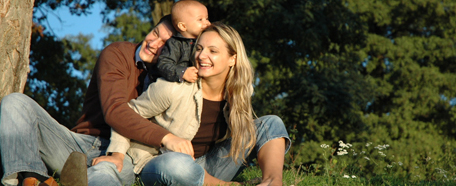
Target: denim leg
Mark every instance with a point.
(106, 173)
(270, 127)
(218, 165)
(29, 136)
(32, 141)
(172, 168)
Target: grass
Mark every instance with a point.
(298, 177)
(295, 177)
(301, 177)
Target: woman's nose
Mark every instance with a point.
(201, 55)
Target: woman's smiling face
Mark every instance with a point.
(212, 56)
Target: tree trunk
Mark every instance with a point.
(160, 9)
(15, 30)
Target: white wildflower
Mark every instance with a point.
(381, 147)
(324, 146)
(346, 176)
(353, 176)
(400, 163)
(344, 145)
(389, 166)
(365, 157)
(343, 152)
(368, 144)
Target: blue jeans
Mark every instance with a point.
(32, 141)
(173, 168)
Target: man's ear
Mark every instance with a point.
(181, 26)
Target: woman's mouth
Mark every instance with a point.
(205, 65)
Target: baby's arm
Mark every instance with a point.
(168, 60)
(191, 74)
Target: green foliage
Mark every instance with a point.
(60, 69)
(127, 27)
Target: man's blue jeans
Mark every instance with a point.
(32, 141)
(173, 168)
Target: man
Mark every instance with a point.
(32, 142)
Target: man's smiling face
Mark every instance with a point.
(154, 41)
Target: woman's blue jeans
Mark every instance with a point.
(173, 168)
(32, 141)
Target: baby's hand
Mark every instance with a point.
(191, 74)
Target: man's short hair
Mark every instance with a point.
(166, 18)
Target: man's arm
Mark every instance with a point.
(116, 72)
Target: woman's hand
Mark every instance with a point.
(116, 158)
(176, 144)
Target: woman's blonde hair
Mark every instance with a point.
(238, 93)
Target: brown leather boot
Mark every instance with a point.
(31, 181)
(74, 172)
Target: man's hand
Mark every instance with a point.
(191, 74)
(176, 144)
(116, 158)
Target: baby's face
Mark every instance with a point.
(196, 21)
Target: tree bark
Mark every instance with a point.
(161, 8)
(15, 34)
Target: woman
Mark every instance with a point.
(211, 125)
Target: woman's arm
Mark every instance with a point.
(116, 150)
(118, 143)
(155, 100)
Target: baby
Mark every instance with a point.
(189, 18)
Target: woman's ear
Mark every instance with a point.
(181, 26)
(232, 60)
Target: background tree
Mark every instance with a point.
(15, 24)
(410, 58)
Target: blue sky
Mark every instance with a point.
(73, 24)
